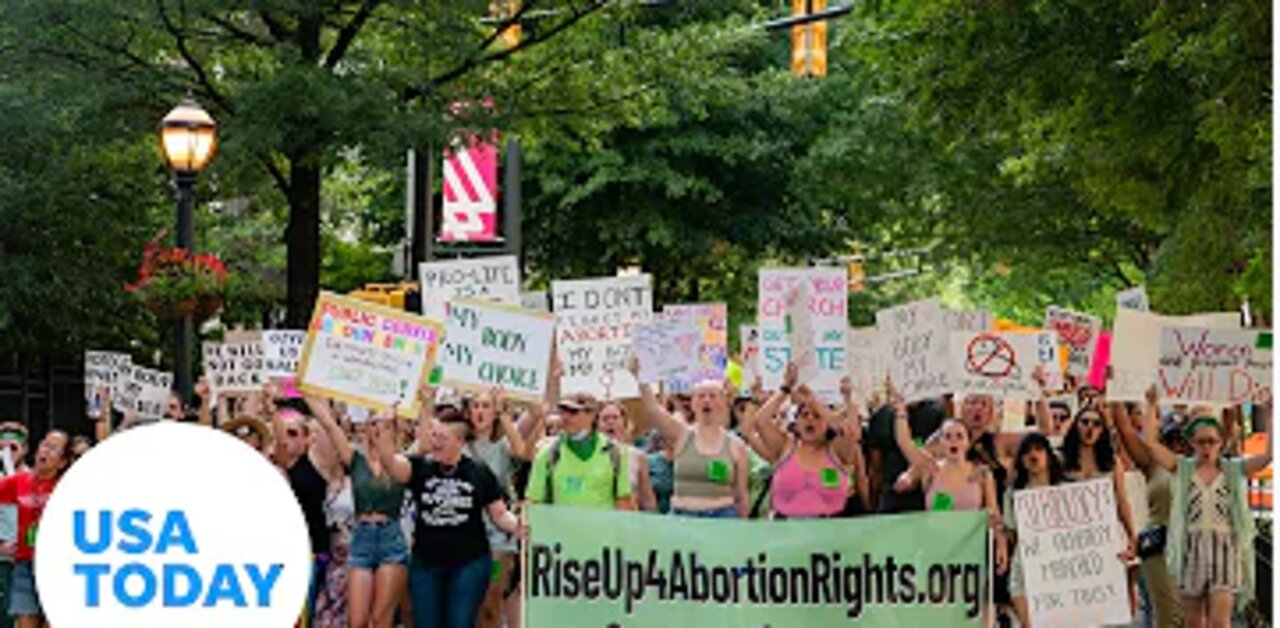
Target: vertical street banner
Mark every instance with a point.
(826, 310)
(495, 278)
(1069, 541)
(613, 568)
(488, 345)
(594, 321)
(235, 367)
(1218, 366)
(470, 191)
(916, 343)
(1001, 363)
(1135, 348)
(712, 323)
(368, 354)
(1078, 333)
(282, 352)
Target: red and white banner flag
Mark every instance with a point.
(470, 192)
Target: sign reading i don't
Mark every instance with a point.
(594, 321)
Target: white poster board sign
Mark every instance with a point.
(1218, 366)
(494, 279)
(235, 367)
(667, 348)
(915, 348)
(1133, 299)
(594, 319)
(147, 392)
(367, 354)
(705, 345)
(282, 352)
(488, 345)
(828, 325)
(1069, 542)
(866, 372)
(8, 522)
(749, 342)
(1078, 333)
(1135, 348)
(1001, 363)
(102, 369)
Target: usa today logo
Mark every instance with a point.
(172, 525)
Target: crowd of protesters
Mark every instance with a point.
(413, 523)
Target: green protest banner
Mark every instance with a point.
(610, 568)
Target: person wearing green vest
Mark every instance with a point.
(581, 467)
(1209, 548)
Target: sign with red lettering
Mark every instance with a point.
(822, 337)
(1069, 542)
(594, 321)
(1203, 365)
(1001, 363)
(709, 344)
(1135, 348)
(1078, 333)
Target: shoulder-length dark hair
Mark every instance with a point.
(1104, 453)
(1035, 440)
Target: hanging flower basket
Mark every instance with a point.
(174, 283)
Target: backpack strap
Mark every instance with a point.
(615, 458)
(553, 457)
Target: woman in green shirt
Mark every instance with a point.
(377, 569)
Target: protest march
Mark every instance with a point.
(608, 463)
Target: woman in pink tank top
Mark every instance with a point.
(814, 455)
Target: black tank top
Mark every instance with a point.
(310, 489)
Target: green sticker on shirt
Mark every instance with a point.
(718, 471)
(31, 536)
(943, 501)
(919, 442)
(829, 477)
(495, 574)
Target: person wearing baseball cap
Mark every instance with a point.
(582, 467)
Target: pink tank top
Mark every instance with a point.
(969, 498)
(799, 493)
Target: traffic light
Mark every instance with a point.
(389, 294)
(503, 10)
(809, 41)
(856, 276)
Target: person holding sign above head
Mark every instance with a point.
(810, 480)
(709, 462)
(581, 467)
(30, 490)
(378, 560)
(452, 564)
(1209, 548)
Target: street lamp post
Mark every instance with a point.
(189, 139)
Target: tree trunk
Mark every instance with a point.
(303, 240)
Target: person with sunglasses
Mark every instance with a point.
(1209, 547)
(581, 467)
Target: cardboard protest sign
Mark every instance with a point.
(1069, 539)
(1222, 366)
(1078, 333)
(282, 351)
(367, 354)
(1101, 360)
(1001, 363)
(866, 372)
(120, 399)
(102, 368)
(966, 320)
(488, 345)
(711, 323)
(822, 326)
(1135, 348)
(235, 367)
(749, 354)
(1133, 299)
(667, 348)
(494, 279)
(147, 392)
(915, 346)
(594, 319)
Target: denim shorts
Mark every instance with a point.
(726, 512)
(377, 544)
(23, 597)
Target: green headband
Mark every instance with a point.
(13, 435)
(1197, 423)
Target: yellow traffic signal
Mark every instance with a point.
(503, 10)
(809, 41)
(856, 277)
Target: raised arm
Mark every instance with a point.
(397, 465)
(1044, 419)
(1256, 463)
(515, 440)
(426, 414)
(323, 413)
(102, 426)
(741, 475)
(1130, 439)
(672, 429)
(1151, 434)
(751, 434)
(205, 415)
(902, 435)
(850, 429)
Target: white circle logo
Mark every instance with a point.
(172, 525)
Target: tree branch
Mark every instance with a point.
(278, 175)
(277, 30)
(180, 40)
(244, 35)
(349, 32)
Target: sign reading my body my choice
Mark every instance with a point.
(367, 354)
(488, 345)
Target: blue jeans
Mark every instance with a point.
(449, 597)
(376, 544)
(727, 512)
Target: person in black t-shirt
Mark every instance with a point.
(292, 453)
(452, 563)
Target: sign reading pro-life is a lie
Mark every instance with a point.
(495, 279)
(827, 309)
(367, 354)
(489, 345)
(594, 319)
